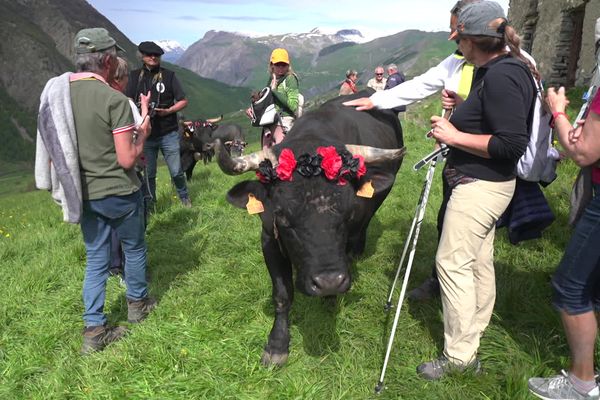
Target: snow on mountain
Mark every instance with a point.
(173, 50)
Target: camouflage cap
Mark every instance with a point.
(92, 40)
(476, 20)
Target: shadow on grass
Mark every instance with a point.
(174, 248)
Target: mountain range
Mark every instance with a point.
(217, 72)
(320, 59)
(37, 45)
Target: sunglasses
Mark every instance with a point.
(379, 74)
(152, 55)
(280, 64)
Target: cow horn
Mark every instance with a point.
(374, 155)
(239, 165)
(214, 120)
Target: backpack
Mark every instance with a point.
(538, 163)
(263, 109)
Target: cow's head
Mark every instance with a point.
(312, 217)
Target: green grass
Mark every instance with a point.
(206, 336)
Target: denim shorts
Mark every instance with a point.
(576, 281)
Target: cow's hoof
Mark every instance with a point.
(273, 360)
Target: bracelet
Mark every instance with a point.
(556, 115)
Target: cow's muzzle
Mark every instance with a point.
(328, 283)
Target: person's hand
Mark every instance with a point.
(249, 112)
(450, 99)
(362, 104)
(574, 134)
(273, 81)
(144, 102)
(557, 100)
(162, 112)
(442, 130)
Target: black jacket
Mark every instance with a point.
(165, 91)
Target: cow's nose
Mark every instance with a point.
(330, 283)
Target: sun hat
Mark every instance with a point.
(280, 55)
(476, 20)
(92, 40)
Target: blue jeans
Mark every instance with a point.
(125, 215)
(576, 281)
(169, 146)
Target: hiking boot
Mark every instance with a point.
(429, 289)
(138, 310)
(96, 338)
(559, 387)
(186, 202)
(440, 367)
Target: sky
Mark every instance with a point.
(186, 21)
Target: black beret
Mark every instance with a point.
(150, 48)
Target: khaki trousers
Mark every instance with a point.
(465, 264)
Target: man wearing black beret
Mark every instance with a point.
(166, 99)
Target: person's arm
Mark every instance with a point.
(585, 150)
(289, 97)
(123, 129)
(410, 91)
(507, 96)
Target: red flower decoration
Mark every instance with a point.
(362, 169)
(287, 165)
(332, 162)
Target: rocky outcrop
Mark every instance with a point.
(560, 36)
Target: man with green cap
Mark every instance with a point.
(87, 151)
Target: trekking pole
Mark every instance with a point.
(442, 151)
(416, 228)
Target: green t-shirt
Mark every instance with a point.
(101, 112)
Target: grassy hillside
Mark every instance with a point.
(205, 339)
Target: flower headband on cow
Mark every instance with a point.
(337, 166)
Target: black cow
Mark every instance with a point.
(197, 142)
(312, 222)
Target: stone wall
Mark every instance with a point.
(560, 36)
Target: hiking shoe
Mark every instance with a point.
(429, 289)
(559, 387)
(438, 368)
(96, 338)
(187, 203)
(138, 310)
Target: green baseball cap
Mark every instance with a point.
(91, 40)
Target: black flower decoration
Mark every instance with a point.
(309, 165)
(266, 173)
(350, 164)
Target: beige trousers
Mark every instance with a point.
(465, 264)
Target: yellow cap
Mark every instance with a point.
(280, 55)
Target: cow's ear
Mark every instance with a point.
(238, 195)
(380, 180)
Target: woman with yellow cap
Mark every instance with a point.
(284, 86)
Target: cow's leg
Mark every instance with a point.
(277, 348)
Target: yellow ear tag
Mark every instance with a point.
(366, 190)
(254, 206)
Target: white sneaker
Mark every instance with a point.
(559, 387)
